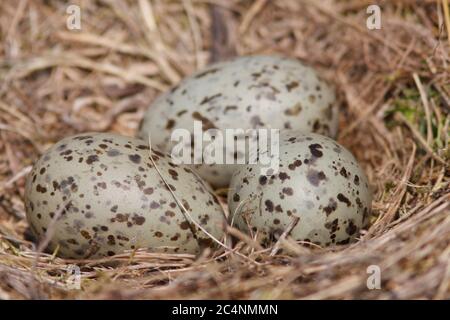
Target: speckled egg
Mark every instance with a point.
(317, 180)
(248, 92)
(102, 195)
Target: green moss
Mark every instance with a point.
(409, 103)
(388, 186)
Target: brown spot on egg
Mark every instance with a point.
(148, 191)
(175, 237)
(173, 174)
(206, 123)
(297, 163)
(121, 217)
(41, 189)
(316, 126)
(351, 228)
(210, 98)
(343, 172)
(315, 150)
(170, 124)
(91, 159)
(154, 205)
(205, 243)
(332, 225)
(292, 85)
(72, 241)
(358, 202)
(111, 240)
(66, 153)
(102, 185)
(283, 176)
(256, 121)
(186, 204)
(332, 205)
(207, 72)
(85, 234)
(314, 177)
(113, 153)
(184, 225)
(262, 180)
(295, 110)
(138, 220)
(269, 205)
(169, 213)
(288, 191)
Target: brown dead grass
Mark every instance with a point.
(394, 85)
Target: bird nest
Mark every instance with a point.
(394, 90)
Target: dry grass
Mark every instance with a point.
(394, 85)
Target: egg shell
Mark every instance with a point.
(318, 181)
(247, 92)
(104, 196)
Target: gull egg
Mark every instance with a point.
(244, 93)
(98, 194)
(317, 180)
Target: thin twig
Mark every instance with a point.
(283, 236)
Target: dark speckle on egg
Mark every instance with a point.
(135, 158)
(115, 189)
(243, 93)
(326, 189)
